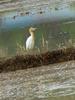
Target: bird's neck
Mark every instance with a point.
(32, 34)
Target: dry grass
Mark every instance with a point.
(28, 61)
(3, 52)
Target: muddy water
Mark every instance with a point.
(55, 23)
(53, 82)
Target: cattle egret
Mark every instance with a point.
(30, 42)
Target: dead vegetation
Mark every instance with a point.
(28, 61)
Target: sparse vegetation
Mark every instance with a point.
(3, 52)
(28, 61)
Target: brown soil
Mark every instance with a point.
(29, 61)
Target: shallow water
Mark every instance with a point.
(53, 82)
(55, 24)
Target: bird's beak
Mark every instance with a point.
(35, 28)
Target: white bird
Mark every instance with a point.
(30, 42)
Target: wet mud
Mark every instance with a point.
(52, 82)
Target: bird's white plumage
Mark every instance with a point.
(31, 39)
(29, 43)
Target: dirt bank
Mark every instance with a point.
(29, 61)
(10, 5)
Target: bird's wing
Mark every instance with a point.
(29, 43)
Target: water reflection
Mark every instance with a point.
(52, 31)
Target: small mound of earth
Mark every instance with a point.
(28, 61)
